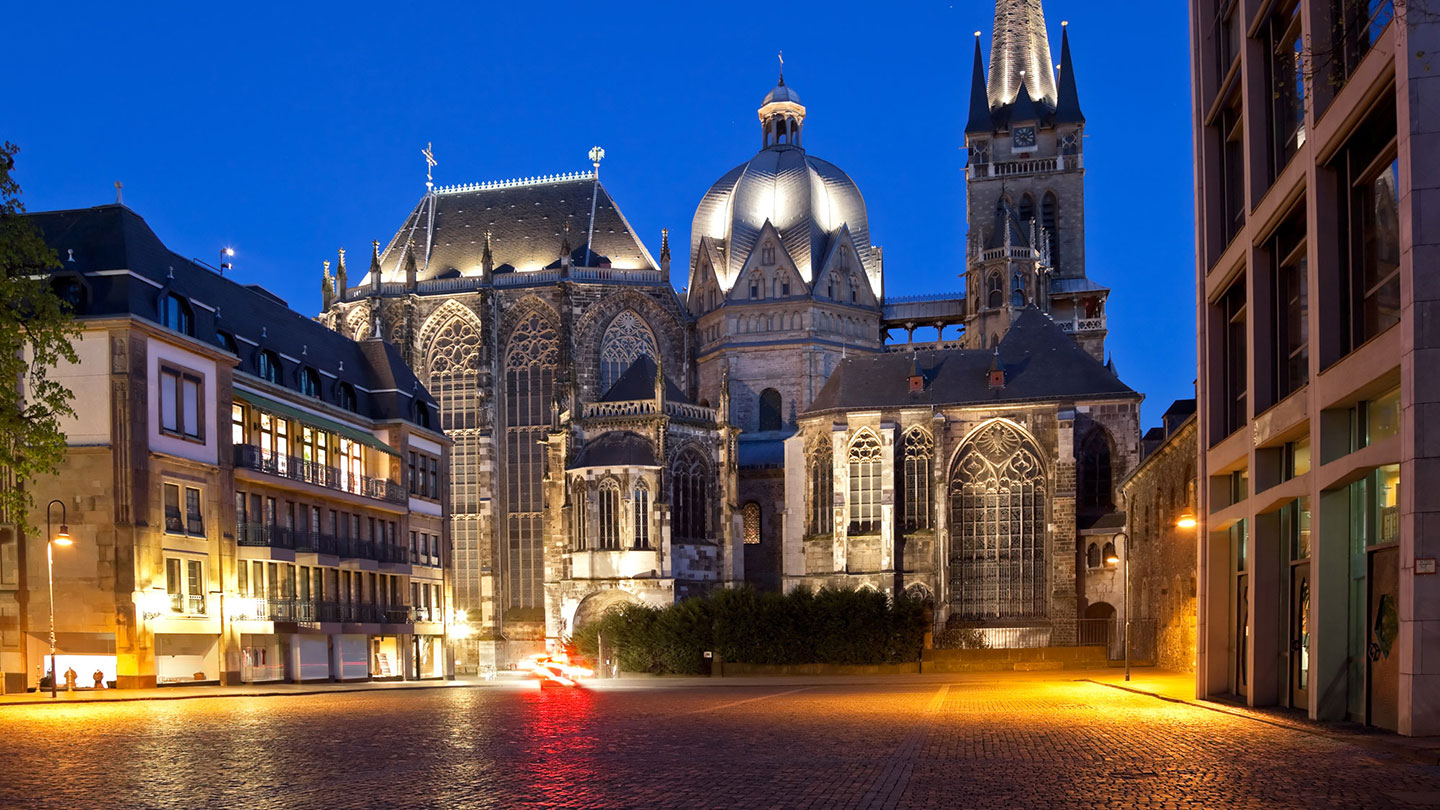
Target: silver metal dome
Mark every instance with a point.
(781, 93)
(807, 199)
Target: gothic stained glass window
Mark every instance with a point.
(688, 479)
(864, 460)
(750, 523)
(578, 504)
(625, 340)
(1095, 483)
(997, 524)
(642, 515)
(821, 473)
(452, 358)
(609, 508)
(530, 361)
(919, 450)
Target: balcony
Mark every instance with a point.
(304, 610)
(1082, 325)
(260, 535)
(187, 605)
(250, 457)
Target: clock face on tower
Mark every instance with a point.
(1023, 137)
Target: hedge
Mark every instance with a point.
(831, 626)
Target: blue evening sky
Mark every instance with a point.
(291, 130)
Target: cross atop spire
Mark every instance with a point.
(781, 54)
(430, 164)
(1020, 54)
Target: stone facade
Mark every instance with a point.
(1160, 551)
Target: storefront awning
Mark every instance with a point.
(290, 412)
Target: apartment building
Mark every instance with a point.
(251, 496)
(1318, 340)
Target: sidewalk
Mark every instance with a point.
(239, 690)
(1179, 687)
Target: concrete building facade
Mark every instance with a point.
(1317, 337)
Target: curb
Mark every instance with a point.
(1423, 756)
(180, 695)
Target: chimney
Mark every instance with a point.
(917, 379)
(997, 370)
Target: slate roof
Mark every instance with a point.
(113, 237)
(1101, 523)
(1041, 363)
(620, 448)
(526, 222)
(638, 382)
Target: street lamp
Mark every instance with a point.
(1187, 520)
(51, 541)
(1114, 559)
(226, 253)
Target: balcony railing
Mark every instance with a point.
(259, 535)
(251, 457)
(1079, 325)
(189, 605)
(305, 610)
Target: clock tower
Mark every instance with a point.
(1025, 186)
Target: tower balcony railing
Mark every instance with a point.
(526, 278)
(251, 457)
(1016, 168)
(647, 407)
(1081, 325)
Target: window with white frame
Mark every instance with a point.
(185, 585)
(180, 403)
(183, 517)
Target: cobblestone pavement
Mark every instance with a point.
(999, 741)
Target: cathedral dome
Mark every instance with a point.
(808, 200)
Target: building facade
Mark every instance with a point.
(252, 497)
(1159, 547)
(1316, 348)
(617, 441)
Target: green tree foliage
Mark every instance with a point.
(36, 329)
(831, 626)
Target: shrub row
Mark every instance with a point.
(829, 626)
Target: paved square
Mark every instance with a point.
(961, 742)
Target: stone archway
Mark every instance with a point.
(597, 604)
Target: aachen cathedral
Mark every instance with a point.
(616, 440)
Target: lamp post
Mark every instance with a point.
(1122, 540)
(51, 541)
(226, 253)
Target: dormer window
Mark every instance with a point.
(268, 365)
(345, 396)
(226, 342)
(177, 315)
(310, 383)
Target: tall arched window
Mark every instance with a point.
(453, 358)
(608, 507)
(625, 340)
(1027, 208)
(688, 495)
(997, 525)
(1017, 291)
(1092, 556)
(822, 489)
(994, 291)
(530, 360)
(177, 314)
(579, 504)
(770, 415)
(1094, 473)
(1049, 214)
(750, 523)
(919, 451)
(642, 515)
(864, 460)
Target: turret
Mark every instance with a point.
(342, 281)
(665, 251)
(1067, 105)
(327, 290)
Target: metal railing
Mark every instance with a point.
(251, 457)
(1058, 633)
(190, 605)
(260, 535)
(304, 610)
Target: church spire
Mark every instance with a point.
(342, 281)
(979, 120)
(1020, 54)
(1067, 104)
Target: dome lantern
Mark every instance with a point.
(782, 116)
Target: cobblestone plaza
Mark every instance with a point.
(1052, 740)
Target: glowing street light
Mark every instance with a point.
(51, 541)
(226, 253)
(1187, 520)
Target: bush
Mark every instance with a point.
(831, 626)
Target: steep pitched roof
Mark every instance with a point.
(979, 120)
(1067, 104)
(1020, 54)
(526, 223)
(1041, 363)
(113, 237)
(638, 382)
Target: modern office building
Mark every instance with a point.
(1318, 345)
(251, 496)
